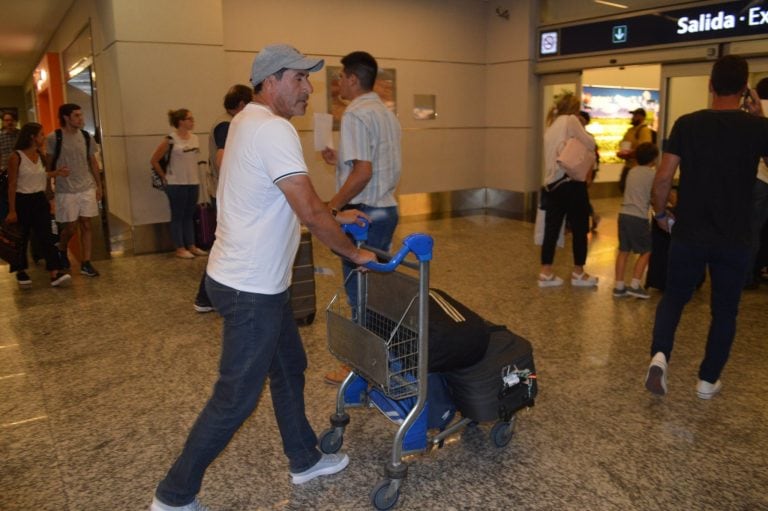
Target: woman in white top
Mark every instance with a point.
(27, 203)
(563, 198)
(182, 181)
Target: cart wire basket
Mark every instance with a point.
(383, 346)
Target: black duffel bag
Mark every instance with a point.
(458, 336)
(11, 244)
(500, 384)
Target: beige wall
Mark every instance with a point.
(151, 56)
(477, 64)
(14, 97)
(510, 97)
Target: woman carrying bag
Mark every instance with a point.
(562, 196)
(28, 204)
(181, 180)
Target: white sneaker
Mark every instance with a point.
(583, 280)
(195, 505)
(656, 379)
(706, 390)
(327, 465)
(549, 280)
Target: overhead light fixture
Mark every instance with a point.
(40, 79)
(611, 4)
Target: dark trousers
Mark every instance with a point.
(3, 195)
(260, 340)
(34, 214)
(568, 201)
(202, 295)
(687, 262)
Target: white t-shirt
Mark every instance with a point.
(73, 155)
(183, 167)
(257, 232)
(637, 192)
(31, 176)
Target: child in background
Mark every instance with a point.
(634, 225)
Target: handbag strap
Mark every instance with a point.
(168, 153)
(551, 187)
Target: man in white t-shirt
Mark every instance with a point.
(264, 191)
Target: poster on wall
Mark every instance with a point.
(384, 87)
(609, 108)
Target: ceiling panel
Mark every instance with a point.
(26, 27)
(565, 11)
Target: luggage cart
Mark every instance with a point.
(385, 341)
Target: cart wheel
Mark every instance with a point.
(501, 433)
(331, 440)
(382, 496)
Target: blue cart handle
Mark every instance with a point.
(418, 243)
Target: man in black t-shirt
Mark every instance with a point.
(717, 150)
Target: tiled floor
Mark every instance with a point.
(101, 381)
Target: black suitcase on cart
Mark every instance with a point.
(503, 382)
(303, 284)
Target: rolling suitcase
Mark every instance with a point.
(205, 225)
(503, 382)
(303, 282)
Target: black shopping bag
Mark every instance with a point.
(11, 244)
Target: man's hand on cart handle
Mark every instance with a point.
(362, 256)
(352, 216)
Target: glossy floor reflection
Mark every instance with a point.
(101, 381)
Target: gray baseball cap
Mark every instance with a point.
(275, 57)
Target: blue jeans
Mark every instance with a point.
(260, 339)
(687, 262)
(380, 232)
(202, 296)
(759, 217)
(183, 199)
